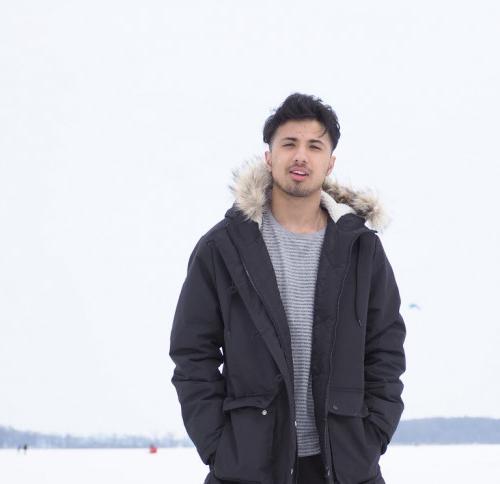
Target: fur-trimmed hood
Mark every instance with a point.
(252, 184)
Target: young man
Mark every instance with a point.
(299, 295)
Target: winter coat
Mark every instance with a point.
(229, 313)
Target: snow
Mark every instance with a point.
(432, 464)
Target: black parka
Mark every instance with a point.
(229, 313)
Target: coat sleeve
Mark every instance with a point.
(385, 360)
(195, 342)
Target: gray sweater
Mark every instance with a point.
(295, 260)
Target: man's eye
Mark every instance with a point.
(288, 144)
(316, 147)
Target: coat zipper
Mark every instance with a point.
(330, 477)
(260, 296)
(294, 478)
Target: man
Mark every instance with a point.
(299, 295)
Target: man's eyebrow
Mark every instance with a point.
(312, 140)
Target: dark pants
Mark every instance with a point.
(310, 470)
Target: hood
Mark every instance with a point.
(252, 184)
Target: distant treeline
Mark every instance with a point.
(439, 430)
(452, 430)
(12, 438)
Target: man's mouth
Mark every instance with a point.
(299, 174)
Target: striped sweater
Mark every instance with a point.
(295, 260)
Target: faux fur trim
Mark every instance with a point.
(252, 184)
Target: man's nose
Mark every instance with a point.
(300, 154)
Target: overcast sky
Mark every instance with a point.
(120, 123)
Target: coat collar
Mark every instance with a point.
(252, 184)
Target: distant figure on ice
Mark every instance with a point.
(153, 449)
(300, 296)
(20, 447)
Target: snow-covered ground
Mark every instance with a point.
(429, 464)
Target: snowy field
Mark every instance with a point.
(429, 464)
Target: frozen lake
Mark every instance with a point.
(429, 464)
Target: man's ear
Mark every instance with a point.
(267, 155)
(330, 164)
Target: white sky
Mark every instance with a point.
(120, 124)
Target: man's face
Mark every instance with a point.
(300, 146)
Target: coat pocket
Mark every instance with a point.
(355, 445)
(244, 450)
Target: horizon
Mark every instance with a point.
(179, 436)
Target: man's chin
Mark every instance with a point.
(296, 191)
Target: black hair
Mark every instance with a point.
(303, 106)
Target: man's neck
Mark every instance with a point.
(298, 214)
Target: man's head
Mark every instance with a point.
(302, 135)
(298, 107)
